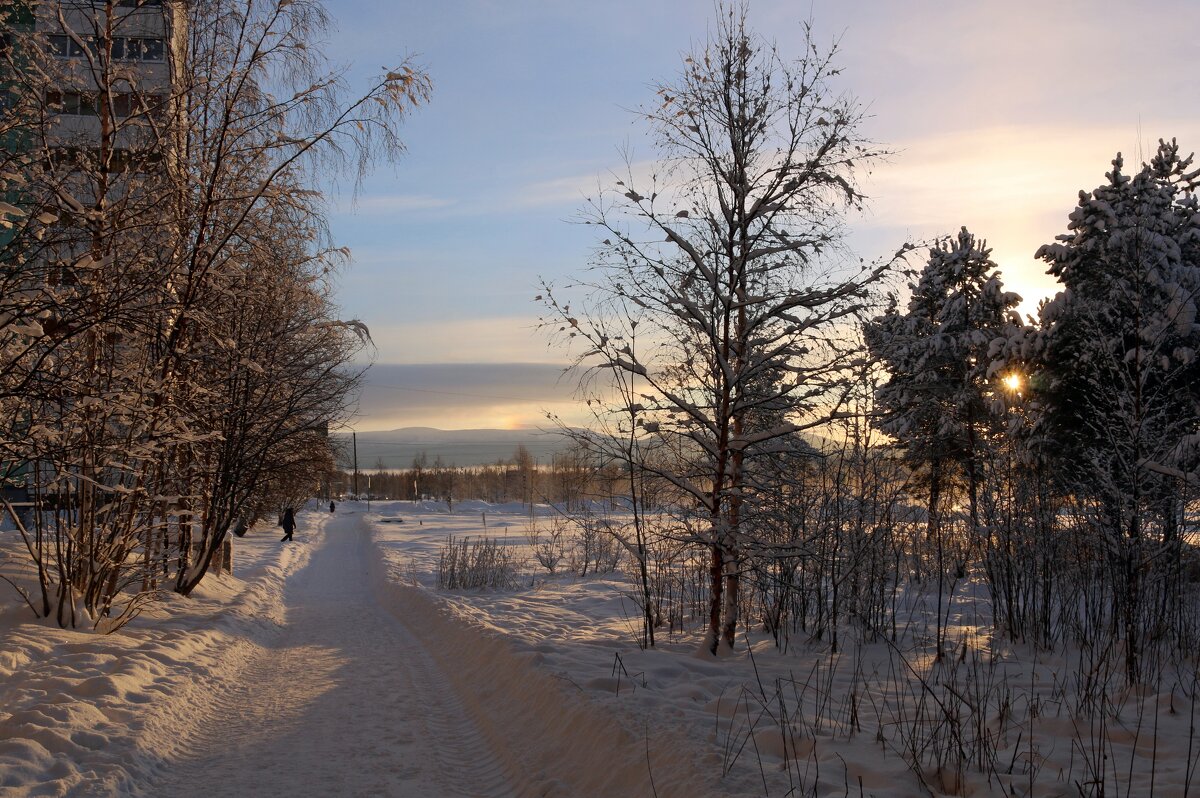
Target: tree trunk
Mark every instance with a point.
(716, 573)
(935, 536)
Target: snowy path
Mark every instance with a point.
(345, 702)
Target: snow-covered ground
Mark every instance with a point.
(88, 714)
(305, 674)
(989, 719)
(333, 666)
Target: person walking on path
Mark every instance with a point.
(288, 522)
(332, 507)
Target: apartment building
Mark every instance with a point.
(113, 61)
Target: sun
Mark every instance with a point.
(1013, 382)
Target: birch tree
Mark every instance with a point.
(178, 199)
(263, 115)
(727, 265)
(93, 432)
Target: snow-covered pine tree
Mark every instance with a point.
(1119, 377)
(941, 399)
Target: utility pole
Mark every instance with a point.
(354, 440)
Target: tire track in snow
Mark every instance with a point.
(344, 702)
(462, 749)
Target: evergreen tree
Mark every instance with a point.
(1119, 380)
(940, 402)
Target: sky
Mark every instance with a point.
(998, 114)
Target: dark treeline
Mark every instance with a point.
(570, 480)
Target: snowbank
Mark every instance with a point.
(555, 692)
(89, 714)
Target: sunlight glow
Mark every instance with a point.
(1013, 382)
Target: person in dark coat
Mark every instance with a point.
(288, 522)
(332, 507)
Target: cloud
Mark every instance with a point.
(458, 340)
(1014, 171)
(571, 190)
(575, 189)
(1013, 185)
(465, 396)
(384, 204)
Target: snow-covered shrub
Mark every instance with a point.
(548, 549)
(468, 564)
(596, 548)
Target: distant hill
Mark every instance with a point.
(459, 447)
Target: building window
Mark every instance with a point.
(152, 49)
(118, 4)
(73, 103)
(123, 48)
(76, 159)
(65, 47)
(138, 49)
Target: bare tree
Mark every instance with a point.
(180, 359)
(728, 265)
(258, 125)
(96, 431)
